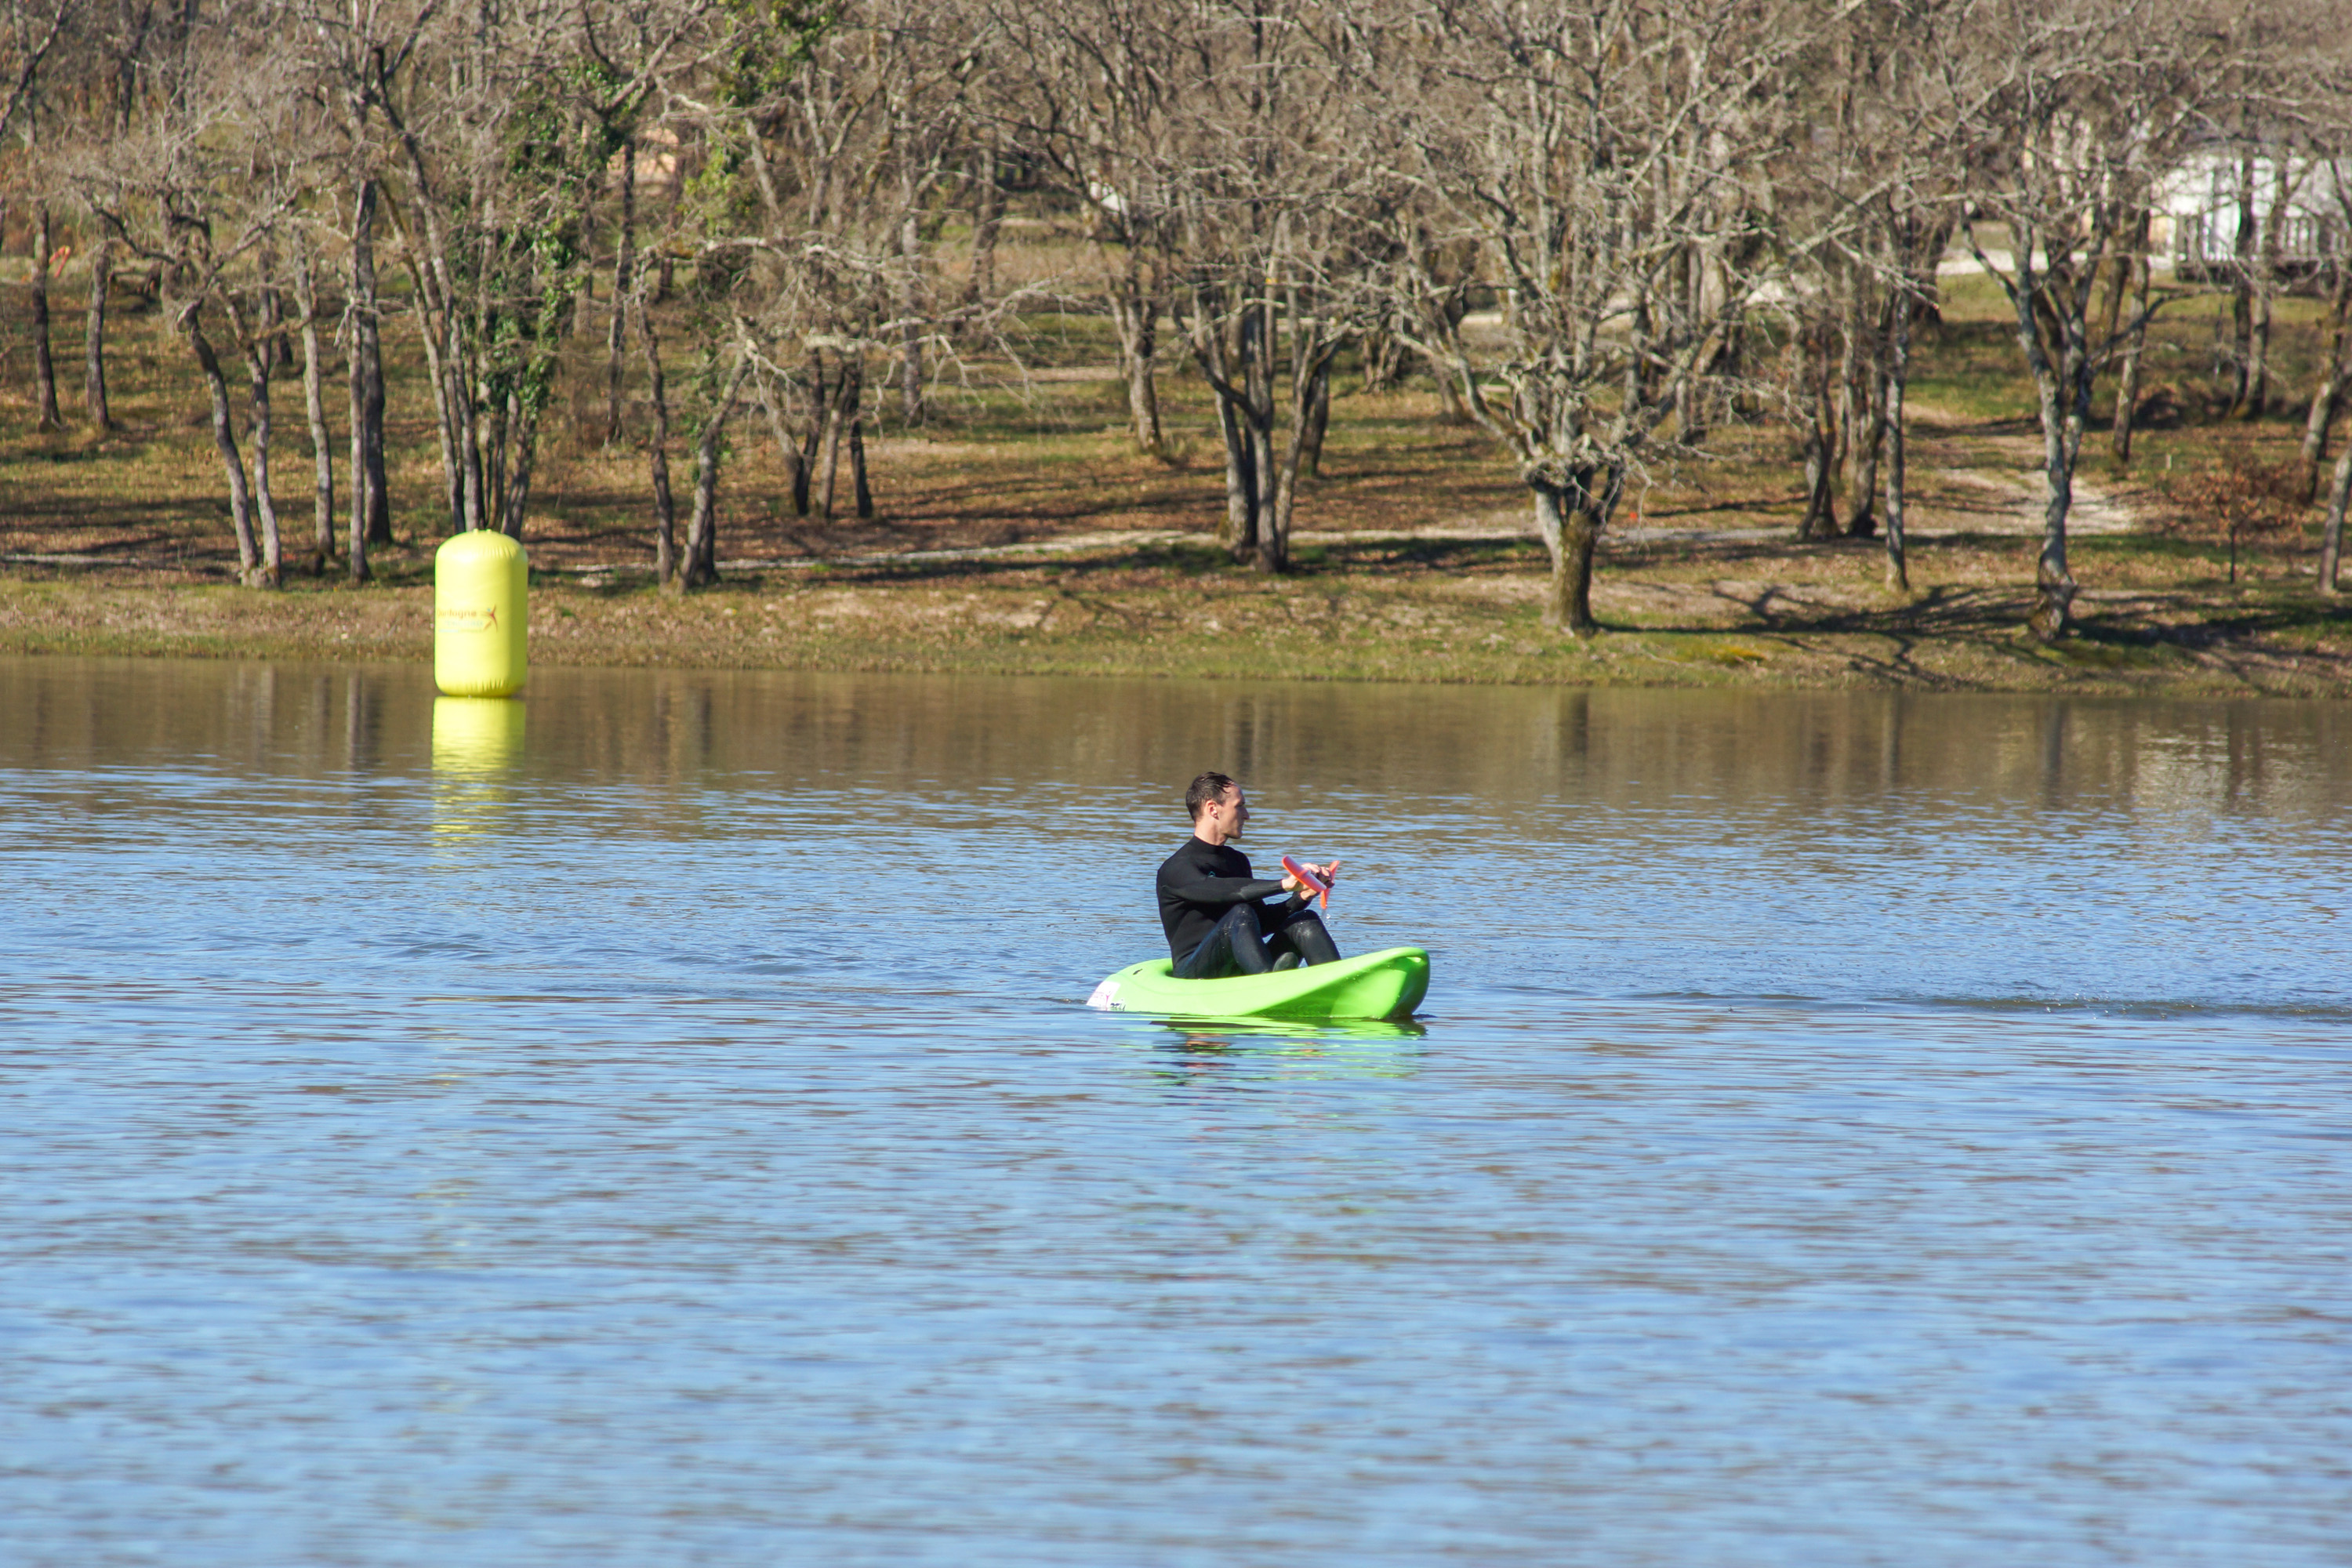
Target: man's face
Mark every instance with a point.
(1228, 813)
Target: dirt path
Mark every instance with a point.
(2007, 496)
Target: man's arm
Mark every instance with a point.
(1218, 892)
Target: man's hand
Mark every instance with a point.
(1329, 873)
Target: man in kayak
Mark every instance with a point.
(1214, 910)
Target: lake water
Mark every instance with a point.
(658, 1122)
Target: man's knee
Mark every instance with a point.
(1310, 938)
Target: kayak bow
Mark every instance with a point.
(1384, 985)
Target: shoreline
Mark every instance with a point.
(1173, 610)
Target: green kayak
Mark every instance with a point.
(1384, 985)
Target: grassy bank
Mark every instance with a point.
(1398, 610)
(1019, 531)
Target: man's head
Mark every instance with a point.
(1218, 807)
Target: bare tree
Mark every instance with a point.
(32, 32)
(829, 167)
(2070, 109)
(314, 403)
(45, 371)
(482, 139)
(623, 257)
(1274, 241)
(371, 514)
(35, 30)
(1874, 185)
(657, 446)
(94, 358)
(199, 186)
(721, 360)
(2339, 496)
(2333, 372)
(2334, 114)
(2130, 299)
(1100, 94)
(118, 47)
(1590, 154)
(348, 51)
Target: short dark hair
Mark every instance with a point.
(1208, 787)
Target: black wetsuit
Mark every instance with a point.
(1218, 922)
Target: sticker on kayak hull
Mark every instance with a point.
(1105, 996)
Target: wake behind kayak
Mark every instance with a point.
(1385, 985)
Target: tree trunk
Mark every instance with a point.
(1143, 403)
(492, 425)
(1454, 406)
(988, 217)
(1257, 340)
(1273, 541)
(1239, 534)
(1820, 451)
(788, 449)
(361, 500)
(1383, 360)
(2338, 495)
(1231, 354)
(911, 328)
(522, 461)
(1570, 529)
(1273, 555)
(1318, 423)
(2050, 311)
(702, 536)
(1863, 458)
(2266, 259)
(2110, 308)
(813, 438)
(2334, 369)
(853, 424)
(258, 362)
(371, 520)
(2135, 339)
(846, 394)
(1898, 379)
(1820, 520)
(281, 346)
(93, 339)
(2054, 584)
(626, 255)
(1852, 398)
(379, 485)
(2241, 292)
(658, 449)
(44, 372)
(467, 435)
(446, 395)
(2258, 351)
(1136, 315)
(314, 405)
(240, 500)
(860, 491)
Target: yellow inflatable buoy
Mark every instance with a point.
(480, 615)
